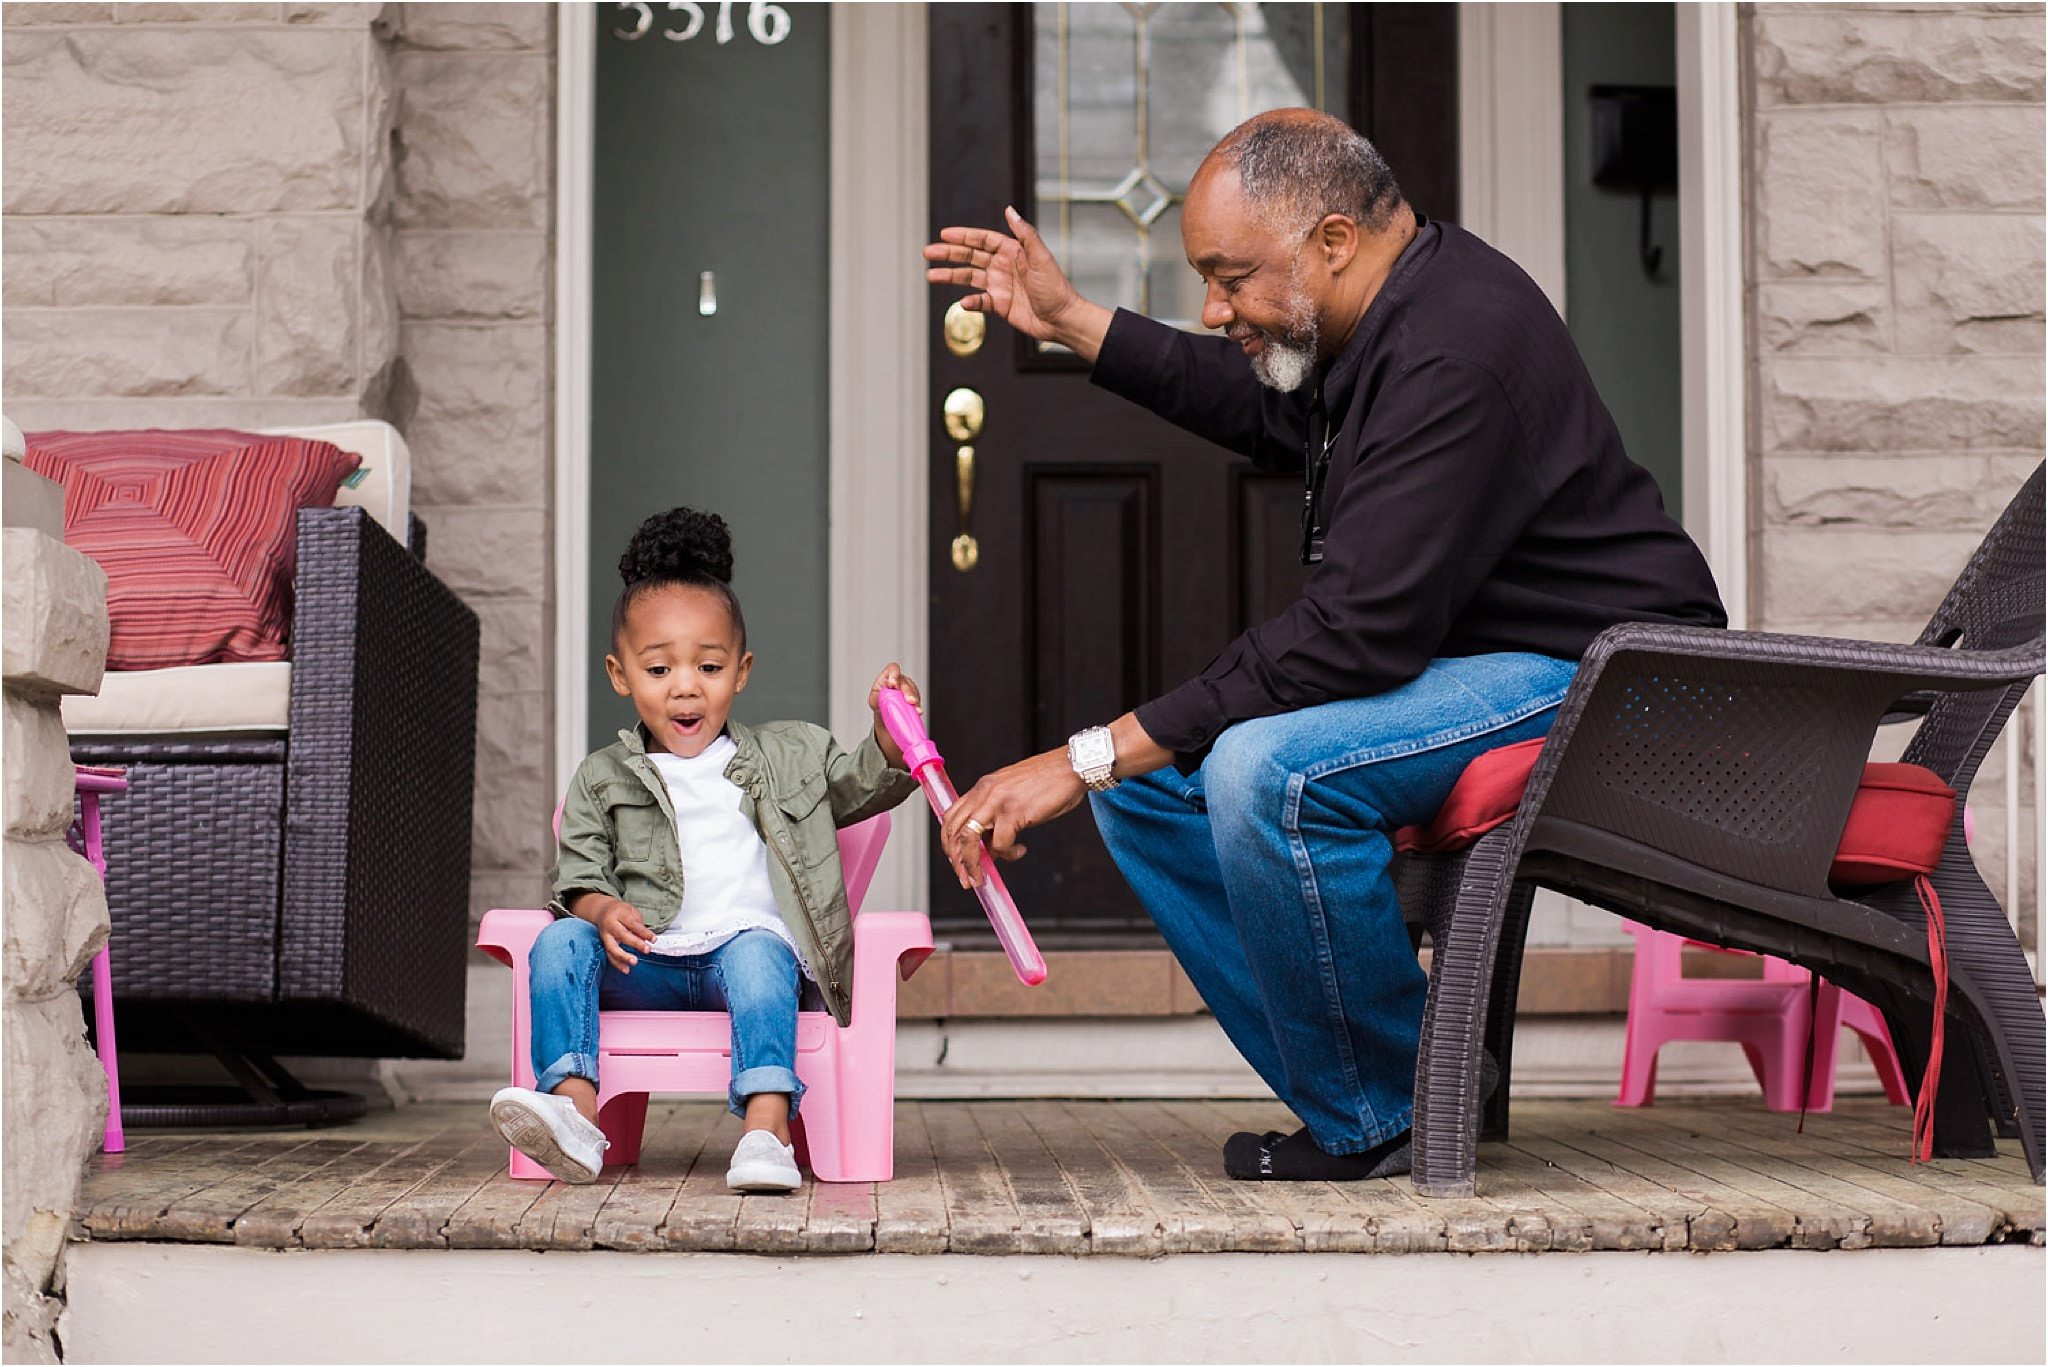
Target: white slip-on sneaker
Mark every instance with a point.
(761, 1162)
(549, 1130)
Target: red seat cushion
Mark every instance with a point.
(1898, 822)
(197, 531)
(1897, 825)
(1485, 795)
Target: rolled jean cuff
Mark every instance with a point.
(755, 1081)
(566, 1067)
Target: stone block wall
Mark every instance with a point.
(473, 218)
(55, 921)
(1896, 268)
(260, 214)
(196, 202)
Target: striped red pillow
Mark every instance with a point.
(197, 531)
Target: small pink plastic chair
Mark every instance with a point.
(1772, 1018)
(846, 1131)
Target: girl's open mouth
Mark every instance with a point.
(686, 726)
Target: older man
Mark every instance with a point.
(1473, 523)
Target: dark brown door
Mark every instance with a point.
(1116, 554)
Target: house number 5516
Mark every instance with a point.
(769, 24)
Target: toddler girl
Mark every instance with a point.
(698, 867)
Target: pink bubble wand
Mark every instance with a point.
(925, 762)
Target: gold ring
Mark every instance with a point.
(976, 828)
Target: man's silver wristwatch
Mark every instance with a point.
(1093, 755)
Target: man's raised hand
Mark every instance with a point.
(1016, 279)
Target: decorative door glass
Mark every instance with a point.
(1126, 98)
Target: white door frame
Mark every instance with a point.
(877, 609)
(1511, 135)
(1511, 192)
(575, 171)
(1712, 297)
(1511, 169)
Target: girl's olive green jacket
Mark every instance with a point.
(797, 786)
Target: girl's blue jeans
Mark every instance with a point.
(753, 976)
(1268, 872)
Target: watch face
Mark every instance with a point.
(1092, 749)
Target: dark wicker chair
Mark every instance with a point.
(1698, 781)
(309, 893)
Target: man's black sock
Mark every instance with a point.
(1274, 1157)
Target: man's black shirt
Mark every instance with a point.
(1477, 498)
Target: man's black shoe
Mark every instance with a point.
(1276, 1157)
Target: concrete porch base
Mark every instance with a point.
(184, 1303)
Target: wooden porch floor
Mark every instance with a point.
(1139, 1178)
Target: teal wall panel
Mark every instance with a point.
(714, 157)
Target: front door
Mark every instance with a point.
(1112, 555)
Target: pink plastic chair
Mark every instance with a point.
(85, 838)
(846, 1131)
(1768, 1017)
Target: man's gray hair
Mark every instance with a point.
(1297, 167)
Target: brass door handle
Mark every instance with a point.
(965, 415)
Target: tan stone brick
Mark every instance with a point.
(56, 1104)
(1969, 282)
(37, 760)
(346, 13)
(473, 276)
(475, 135)
(381, 96)
(87, 261)
(216, 12)
(56, 917)
(144, 352)
(67, 13)
(1824, 317)
(1960, 490)
(1902, 403)
(1820, 203)
(1836, 55)
(86, 414)
(305, 324)
(488, 552)
(1825, 573)
(55, 613)
(102, 121)
(477, 27)
(1973, 157)
(514, 648)
(378, 305)
(480, 432)
(490, 889)
(514, 806)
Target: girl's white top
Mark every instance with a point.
(725, 862)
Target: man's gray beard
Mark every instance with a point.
(1285, 366)
(1285, 363)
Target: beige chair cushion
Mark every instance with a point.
(386, 489)
(253, 695)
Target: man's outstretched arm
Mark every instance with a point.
(1202, 384)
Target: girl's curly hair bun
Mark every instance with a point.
(680, 545)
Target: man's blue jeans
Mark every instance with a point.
(753, 976)
(1268, 872)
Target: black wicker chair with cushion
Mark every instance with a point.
(1698, 781)
(288, 872)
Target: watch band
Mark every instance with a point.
(1092, 753)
